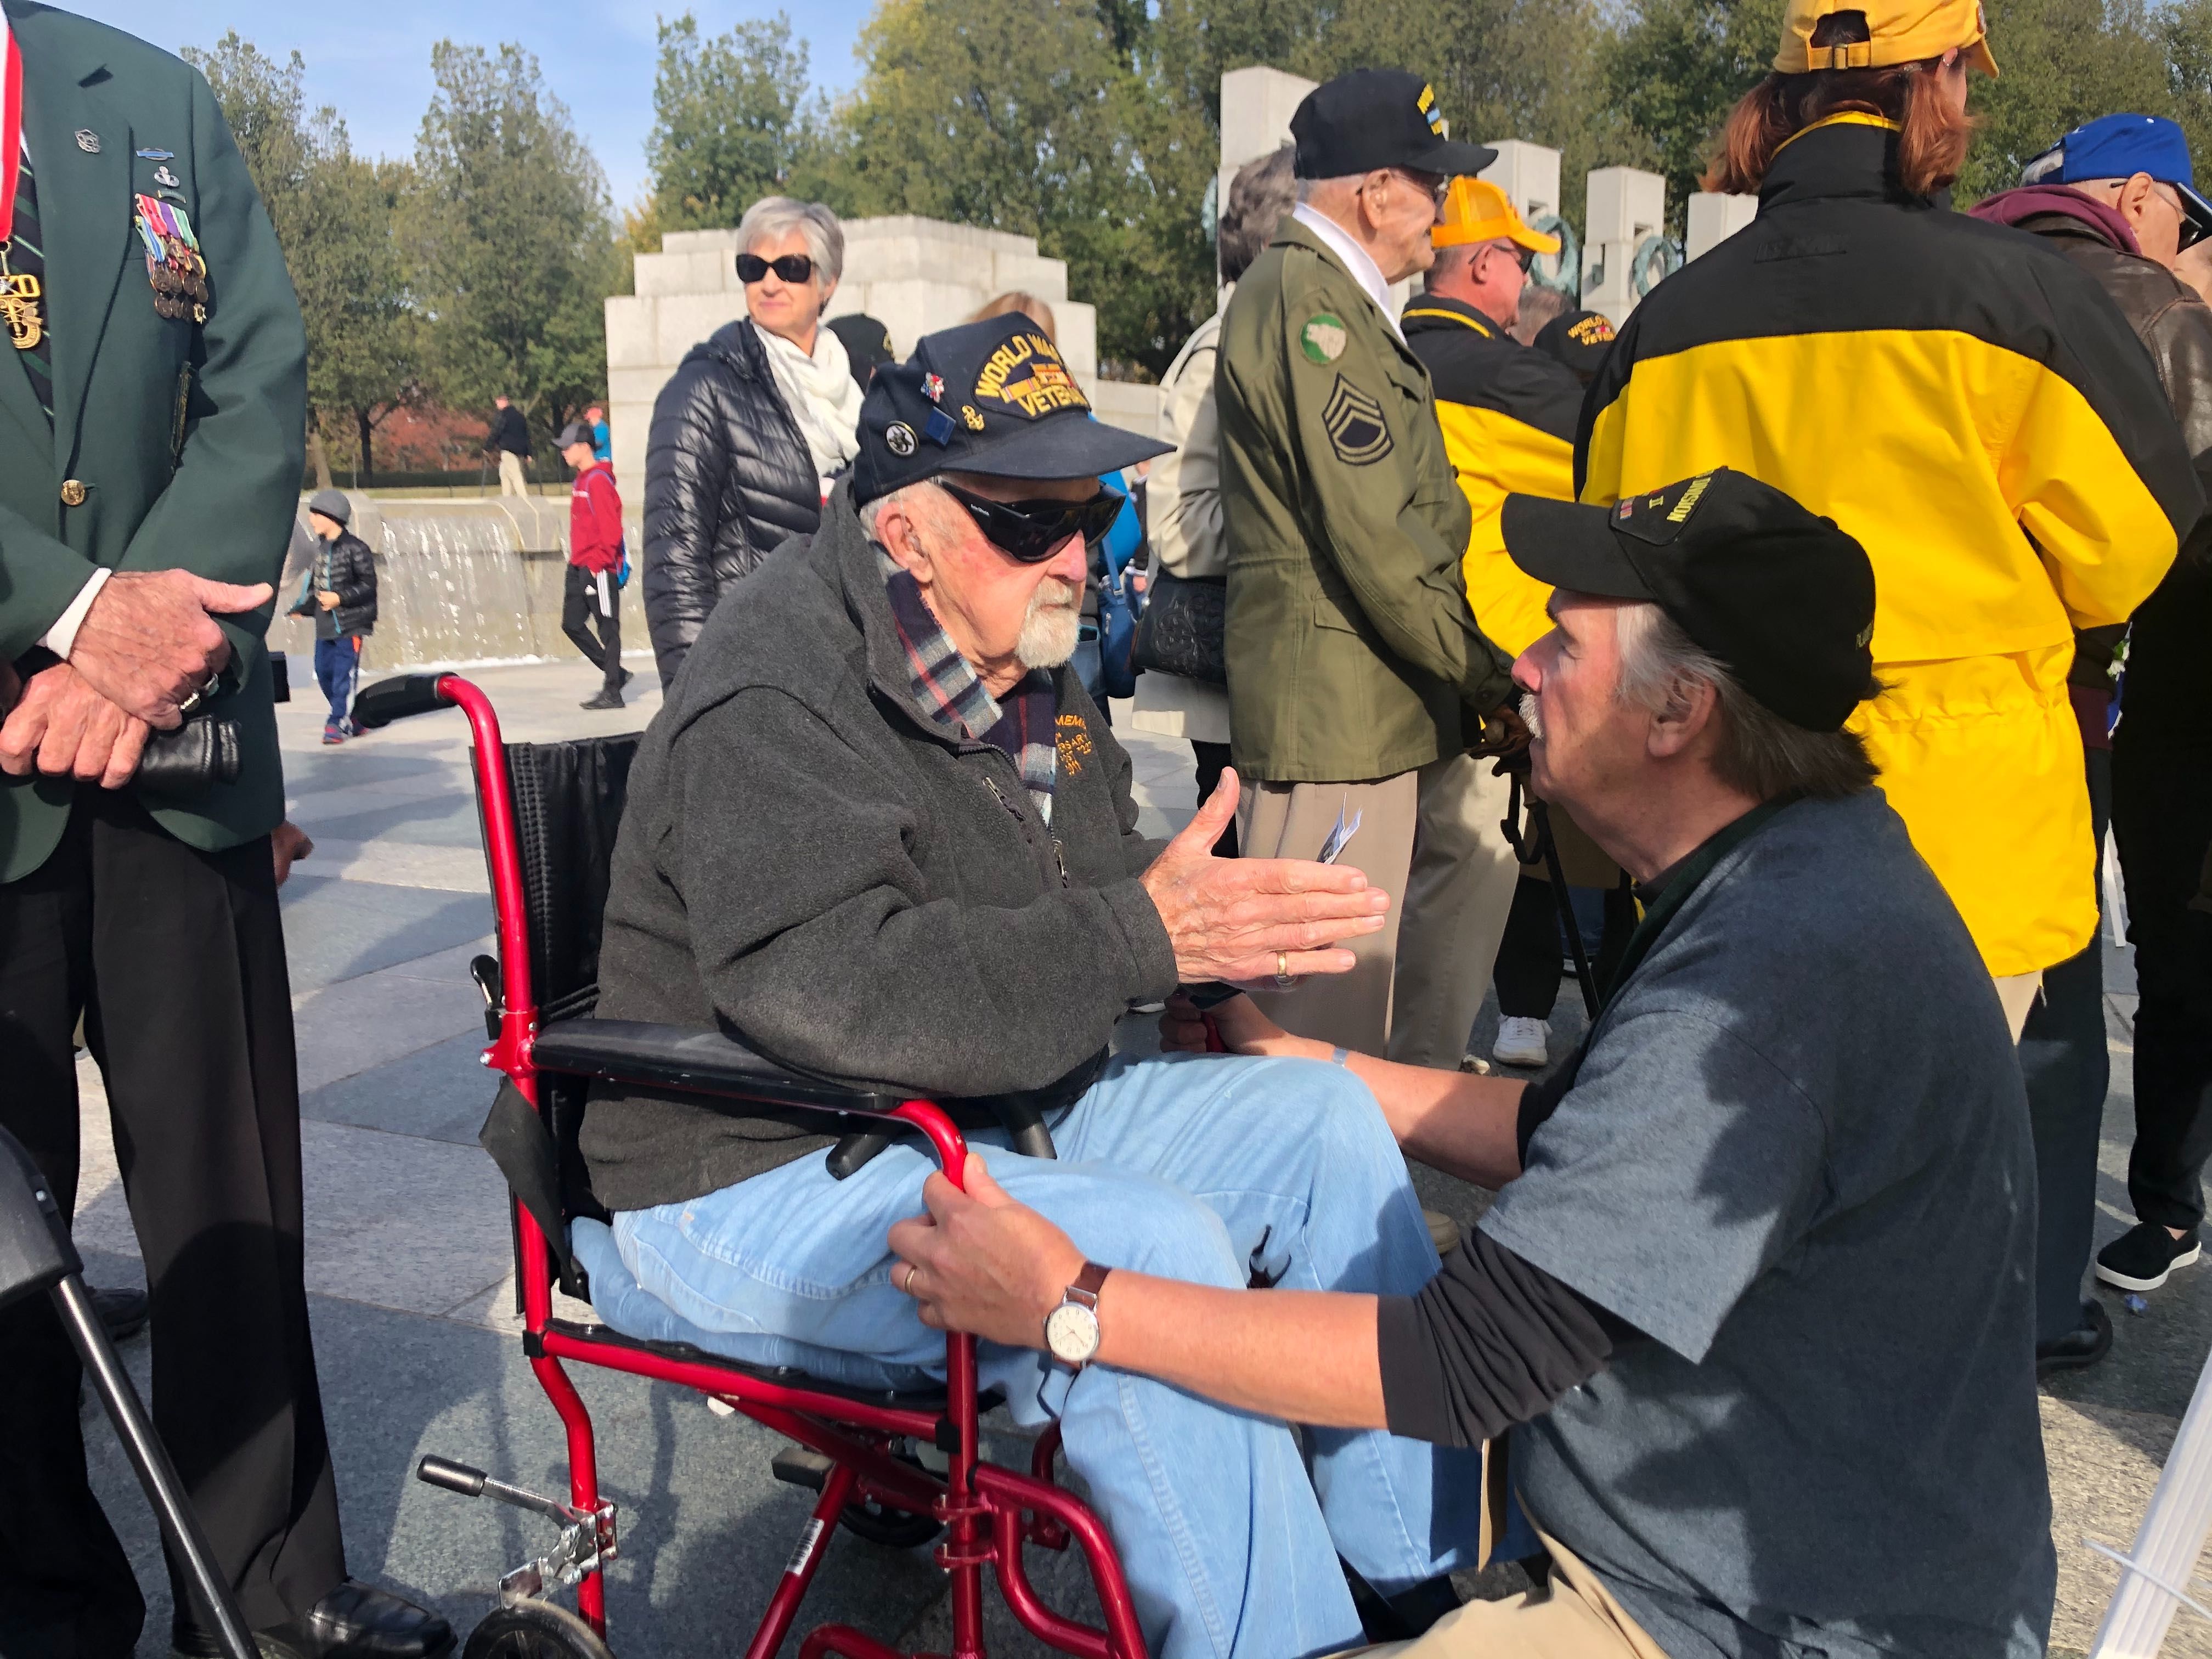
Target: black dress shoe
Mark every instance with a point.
(353, 1621)
(604, 700)
(2083, 1345)
(122, 1312)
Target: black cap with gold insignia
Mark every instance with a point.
(1581, 340)
(1781, 597)
(1378, 118)
(992, 396)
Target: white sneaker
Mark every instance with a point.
(1521, 1041)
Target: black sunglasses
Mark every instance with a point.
(1030, 532)
(793, 268)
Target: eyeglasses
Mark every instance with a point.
(793, 268)
(1030, 532)
(2192, 232)
(1435, 185)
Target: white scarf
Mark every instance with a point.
(821, 394)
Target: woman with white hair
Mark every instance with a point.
(750, 430)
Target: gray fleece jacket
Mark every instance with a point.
(811, 863)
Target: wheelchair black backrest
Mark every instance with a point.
(567, 805)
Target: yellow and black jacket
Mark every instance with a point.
(1977, 412)
(1508, 414)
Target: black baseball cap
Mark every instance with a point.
(1781, 597)
(1581, 340)
(1373, 118)
(991, 397)
(867, 345)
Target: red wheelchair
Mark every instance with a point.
(549, 813)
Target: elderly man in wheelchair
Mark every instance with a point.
(880, 834)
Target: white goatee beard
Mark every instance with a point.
(1051, 628)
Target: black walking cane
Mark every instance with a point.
(36, 1254)
(1539, 827)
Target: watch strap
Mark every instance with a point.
(1088, 1284)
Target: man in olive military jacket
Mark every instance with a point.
(152, 407)
(1355, 665)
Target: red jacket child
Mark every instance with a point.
(595, 520)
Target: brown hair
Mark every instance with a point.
(1932, 139)
(1028, 304)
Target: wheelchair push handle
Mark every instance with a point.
(396, 698)
(453, 1477)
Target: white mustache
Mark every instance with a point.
(1532, 715)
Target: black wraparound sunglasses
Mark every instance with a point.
(793, 268)
(1030, 532)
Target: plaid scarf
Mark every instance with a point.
(1021, 725)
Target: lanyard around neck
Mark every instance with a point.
(11, 129)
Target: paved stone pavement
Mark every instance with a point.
(408, 1268)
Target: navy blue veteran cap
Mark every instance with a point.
(1781, 597)
(1373, 118)
(992, 396)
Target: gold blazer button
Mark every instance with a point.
(73, 492)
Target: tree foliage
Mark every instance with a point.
(511, 238)
(732, 121)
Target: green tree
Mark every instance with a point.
(511, 239)
(2064, 62)
(1675, 73)
(333, 214)
(1045, 120)
(732, 122)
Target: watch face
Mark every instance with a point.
(1071, 1331)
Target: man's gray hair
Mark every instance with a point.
(1261, 192)
(773, 217)
(1758, 752)
(922, 498)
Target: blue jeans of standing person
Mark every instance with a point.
(334, 663)
(1201, 1168)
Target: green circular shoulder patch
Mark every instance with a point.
(1324, 337)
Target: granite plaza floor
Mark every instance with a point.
(408, 1267)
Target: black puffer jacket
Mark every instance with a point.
(346, 567)
(727, 477)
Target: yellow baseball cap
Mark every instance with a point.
(1476, 210)
(1902, 31)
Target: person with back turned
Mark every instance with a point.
(153, 402)
(1354, 665)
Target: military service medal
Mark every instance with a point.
(173, 264)
(22, 297)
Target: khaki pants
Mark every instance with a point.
(1291, 821)
(2018, 992)
(510, 474)
(1573, 1617)
(1457, 897)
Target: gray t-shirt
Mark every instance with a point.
(1796, 1158)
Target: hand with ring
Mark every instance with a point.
(1242, 920)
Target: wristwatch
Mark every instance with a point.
(1070, 1330)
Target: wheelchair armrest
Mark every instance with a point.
(695, 1061)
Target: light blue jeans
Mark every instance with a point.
(1196, 1167)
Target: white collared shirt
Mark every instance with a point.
(1357, 259)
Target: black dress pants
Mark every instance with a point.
(175, 958)
(580, 601)
(2068, 1069)
(2162, 820)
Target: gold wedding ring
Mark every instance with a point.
(1284, 979)
(909, 1286)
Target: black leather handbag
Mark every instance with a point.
(1182, 629)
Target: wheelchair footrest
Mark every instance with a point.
(801, 1465)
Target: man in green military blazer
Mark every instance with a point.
(1354, 663)
(152, 411)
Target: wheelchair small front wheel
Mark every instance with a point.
(893, 1528)
(534, 1630)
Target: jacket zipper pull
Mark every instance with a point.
(1058, 860)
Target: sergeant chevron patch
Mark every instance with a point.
(1354, 422)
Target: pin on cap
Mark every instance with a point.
(1021, 414)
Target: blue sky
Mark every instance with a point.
(373, 61)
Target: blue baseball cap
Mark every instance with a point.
(2119, 147)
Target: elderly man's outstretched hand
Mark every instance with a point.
(1252, 919)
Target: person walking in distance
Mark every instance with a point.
(142, 535)
(339, 591)
(595, 564)
(508, 443)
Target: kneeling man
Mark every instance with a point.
(1754, 1299)
(880, 833)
